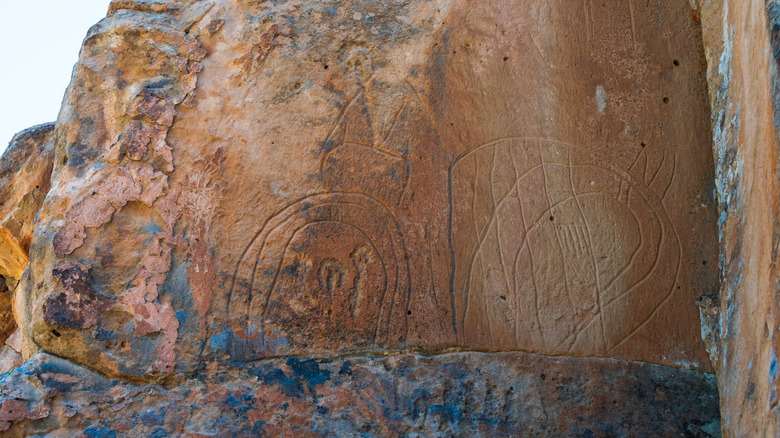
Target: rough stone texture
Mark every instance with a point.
(461, 394)
(25, 172)
(9, 359)
(235, 182)
(304, 178)
(742, 48)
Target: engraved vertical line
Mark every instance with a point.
(633, 24)
(549, 206)
(516, 189)
(592, 255)
(476, 233)
(453, 305)
(533, 272)
(674, 172)
(588, 19)
(498, 234)
(430, 268)
(490, 171)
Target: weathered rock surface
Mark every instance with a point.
(742, 46)
(235, 182)
(463, 394)
(25, 172)
(264, 179)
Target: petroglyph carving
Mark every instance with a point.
(338, 262)
(560, 241)
(275, 284)
(518, 243)
(332, 273)
(361, 258)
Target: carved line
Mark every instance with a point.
(664, 300)
(655, 264)
(633, 26)
(373, 246)
(498, 232)
(588, 19)
(658, 170)
(592, 255)
(633, 254)
(482, 235)
(281, 262)
(626, 176)
(560, 249)
(658, 220)
(498, 241)
(430, 268)
(674, 173)
(322, 199)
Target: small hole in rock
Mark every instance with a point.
(552, 218)
(705, 263)
(326, 66)
(408, 312)
(676, 63)
(56, 333)
(506, 58)
(544, 377)
(666, 100)
(502, 297)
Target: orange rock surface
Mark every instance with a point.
(238, 182)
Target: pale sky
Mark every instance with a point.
(39, 44)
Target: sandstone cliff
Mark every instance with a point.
(389, 218)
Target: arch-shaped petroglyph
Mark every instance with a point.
(556, 244)
(334, 264)
(385, 146)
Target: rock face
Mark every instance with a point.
(743, 54)
(235, 182)
(469, 194)
(25, 172)
(458, 394)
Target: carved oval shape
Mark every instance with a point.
(557, 244)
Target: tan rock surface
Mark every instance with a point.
(257, 188)
(25, 172)
(297, 178)
(743, 49)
